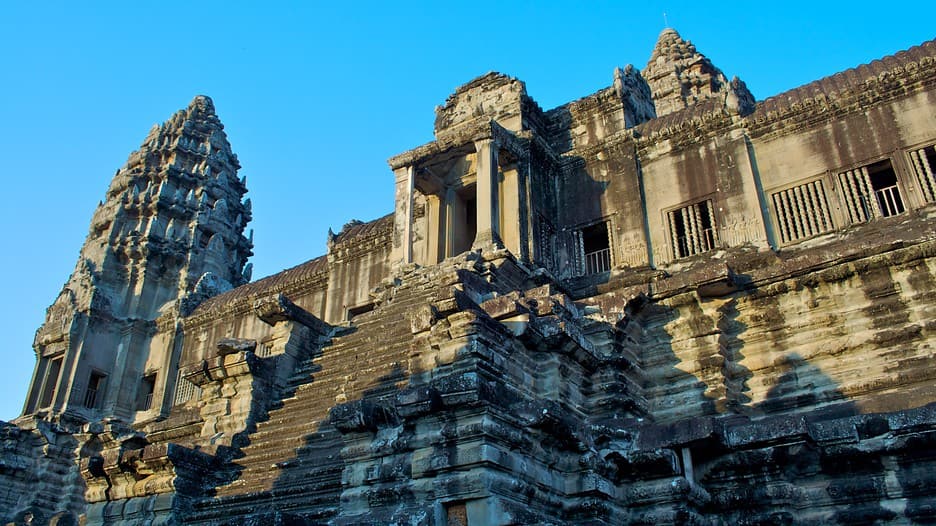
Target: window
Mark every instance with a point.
(95, 387)
(147, 387)
(886, 192)
(692, 229)
(802, 211)
(871, 191)
(596, 248)
(185, 390)
(924, 164)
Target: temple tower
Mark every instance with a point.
(679, 77)
(170, 228)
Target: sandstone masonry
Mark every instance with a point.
(663, 303)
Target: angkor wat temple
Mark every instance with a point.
(663, 303)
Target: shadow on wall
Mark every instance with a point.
(366, 429)
(579, 204)
(359, 452)
(260, 414)
(782, 466)
(694, 352)
(289, 468)
(804, 386)
(33, 516)
(705, 376)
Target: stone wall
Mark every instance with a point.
(756, 348)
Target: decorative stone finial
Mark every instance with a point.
(202, 103)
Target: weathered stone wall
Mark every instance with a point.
(359, 259)
(851, 334)
(492, 96)
(609, 174)
(39, 473)
(779, 372)
(587, 121)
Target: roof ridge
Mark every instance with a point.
(848, 78)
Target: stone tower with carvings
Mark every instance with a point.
(170, 227)
(661, 303)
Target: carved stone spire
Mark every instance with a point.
(172, 214)
(679, 76)
(179, 194)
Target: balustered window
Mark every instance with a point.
(802, 211)
(265, 349)
(185, 390)
(871, 191)
(596, 248)
(145, 395)
(924, 165)
(95, 390)
(692, 229)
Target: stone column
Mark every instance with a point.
(487, 235)
(448, 226)
(403, 216)
(408, 231)
(524, 168)
(35, 386)
(436, 234)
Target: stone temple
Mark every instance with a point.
(663, 303)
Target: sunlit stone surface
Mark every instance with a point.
(662, 303)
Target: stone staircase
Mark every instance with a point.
(293, 458)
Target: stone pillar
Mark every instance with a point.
(524, 168)
(436, 234)
(510, 201)
(403, 215)
(448, 225)
(408, 231)
(32, 397)
(487, 235)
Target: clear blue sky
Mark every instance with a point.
(316, 97)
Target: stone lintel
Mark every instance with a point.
(483, 129)
(414, 156)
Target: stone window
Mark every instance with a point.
(802, 211)
(871, 191)
(692, 229)
(147, 388)
(595, 248)
(185, 390)
(94, 391)
(924, 165)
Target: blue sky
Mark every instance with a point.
(316, 97)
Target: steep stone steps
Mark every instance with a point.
(316, 463)
(295, 445)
